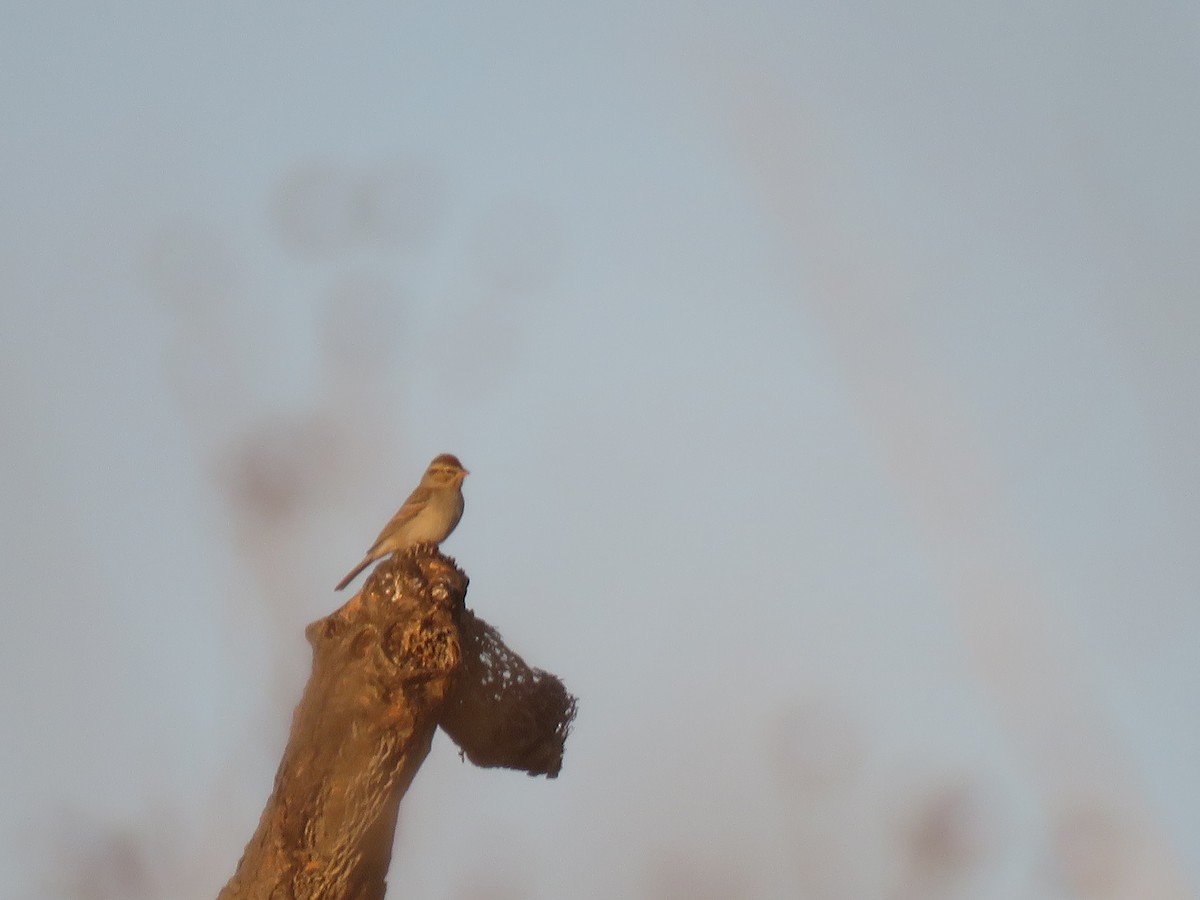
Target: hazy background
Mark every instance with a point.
(828, 377)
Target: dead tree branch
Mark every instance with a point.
(401, 658)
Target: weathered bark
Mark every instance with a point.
(386, 667)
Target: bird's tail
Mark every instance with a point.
(354, 572)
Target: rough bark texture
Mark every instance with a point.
(384, 667)
(500, 710)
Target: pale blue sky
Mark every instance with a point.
(823, 371)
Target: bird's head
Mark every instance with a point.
(444, 470)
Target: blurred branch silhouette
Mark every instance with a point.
(399, 659)
(955, 494)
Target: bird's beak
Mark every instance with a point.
(466, 472)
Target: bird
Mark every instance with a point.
(429, 514)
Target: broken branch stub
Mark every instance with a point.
(501, 711)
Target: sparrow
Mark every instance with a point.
(429, 514)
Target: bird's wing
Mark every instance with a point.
(414, 504)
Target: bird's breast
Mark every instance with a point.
(437, 519)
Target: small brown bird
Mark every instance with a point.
(428, 515)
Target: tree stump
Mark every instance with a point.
(402, 657)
